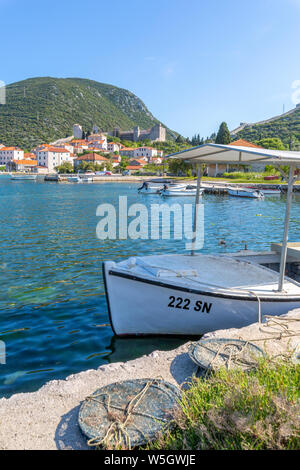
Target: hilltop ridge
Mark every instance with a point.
(44, 109)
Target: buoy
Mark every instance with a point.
(127, 414)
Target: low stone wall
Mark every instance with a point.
(47, 418)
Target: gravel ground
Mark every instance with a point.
(47, 418)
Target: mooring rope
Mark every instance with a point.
(231, 356)
(235, 357)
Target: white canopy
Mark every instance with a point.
(232, 154)
(239, 155)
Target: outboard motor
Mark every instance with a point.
(144, 185)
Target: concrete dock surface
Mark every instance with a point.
(47, 419)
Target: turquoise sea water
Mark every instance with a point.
(53, 313)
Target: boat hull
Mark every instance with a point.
(180, 193)
(24, 178)
(157, 189)
(269, 192)
(150, 190)
(244, 193)
(139, 306)
(74, 179)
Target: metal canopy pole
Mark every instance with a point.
(199, 176)
(286, 228)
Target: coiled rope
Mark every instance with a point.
(117, 433)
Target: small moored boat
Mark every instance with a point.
(74, 179)
(267, 192)
(179, 192)
(185, 295)
(153, 187)
(245, 192)
(24, 177)
(87, 179)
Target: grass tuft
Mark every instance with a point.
(234, 410)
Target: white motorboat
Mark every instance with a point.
(87, 179)
(186, 295)
(24, 177)
(179, 192)
(74, 179)
(267, 192)
(245, 192)
(194, 293)
(152, 187)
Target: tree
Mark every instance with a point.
(177, 166)
(108, 166)
(180, 140)
(223, 136)
(123, 164)
(65, 167)
(273, 143)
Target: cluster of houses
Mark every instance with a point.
(96, 149)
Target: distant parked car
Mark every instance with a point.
(109, 173)
(272, 177)
(126, 172)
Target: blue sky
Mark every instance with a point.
(194, 63)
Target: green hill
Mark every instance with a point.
(40, 110)
(286, 127)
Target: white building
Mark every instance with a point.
(98, 144)
(79, 145)
(52, 157)
(68, 147)
(95, 137)
(147, 152)
(127, 152)
(7, 154)
(156, 160)
(113, 147)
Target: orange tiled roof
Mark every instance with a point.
(92, 157)
(133, 167)
(244, 143)
(10, 148)
(57, 150)
(25, 162)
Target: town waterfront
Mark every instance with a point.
(54, 319)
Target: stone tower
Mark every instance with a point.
(136, 133)
(77, 131)
(158, 133)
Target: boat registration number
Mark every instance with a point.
(187, 304)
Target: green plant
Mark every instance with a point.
(234, 410)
